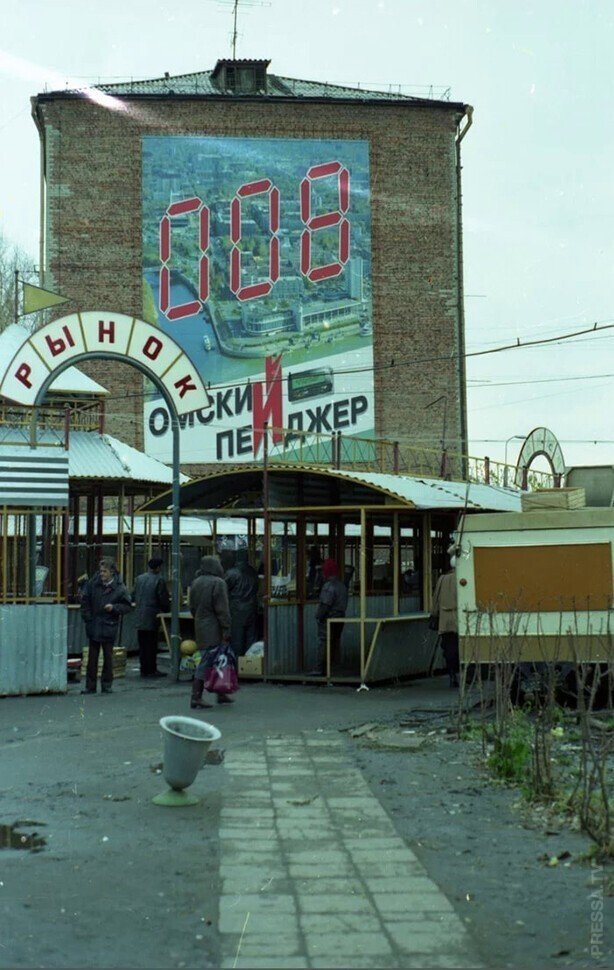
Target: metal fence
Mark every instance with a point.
(386, 456)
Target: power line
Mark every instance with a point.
(540, 380)
(407, 362)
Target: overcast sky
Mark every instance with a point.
(538, 163)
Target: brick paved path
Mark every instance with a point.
(313, 873)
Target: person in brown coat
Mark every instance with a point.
(209, 607)
(445, 609)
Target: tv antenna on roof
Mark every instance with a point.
(235, 4)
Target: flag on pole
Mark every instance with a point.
(35, 298)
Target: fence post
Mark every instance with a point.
(395, 456)
(338, 449)
(487, 470)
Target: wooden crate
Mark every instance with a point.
(119, 661)
(553, 498)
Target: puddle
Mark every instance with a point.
(12, 838)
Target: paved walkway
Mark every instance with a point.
(313, 873)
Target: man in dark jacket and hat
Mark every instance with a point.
(103, 601)
(151, 597)
(242, 583)
(332, 603)
(209, 607)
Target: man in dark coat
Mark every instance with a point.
(103, 601)
(242, 583)
(151, 597)
(333, 602)
(209, 607)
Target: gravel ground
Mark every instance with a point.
(489, 853)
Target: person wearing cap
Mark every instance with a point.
(332, 603)
(151, 597)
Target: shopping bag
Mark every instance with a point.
(221, 674)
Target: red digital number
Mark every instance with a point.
(254, 290)
(335, 218)
(176, 209)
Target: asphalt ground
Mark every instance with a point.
(308, 848)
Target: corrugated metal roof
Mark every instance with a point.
(435, 493)
(92, 455)
(205, 83)
(70, 381)
(242, 486)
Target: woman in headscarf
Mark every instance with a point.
(209, 607)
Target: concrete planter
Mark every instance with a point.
(186, 742)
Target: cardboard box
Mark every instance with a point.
(119, 661)
(250, 666)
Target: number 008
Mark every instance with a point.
(270, 192)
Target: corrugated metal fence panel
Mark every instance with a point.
(404, 648)
(33, 648)
(282, 655)
(283, 635)
(33, 476)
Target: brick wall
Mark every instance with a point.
(93, 234)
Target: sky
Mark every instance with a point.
(538, 171)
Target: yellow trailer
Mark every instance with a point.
(536, 585)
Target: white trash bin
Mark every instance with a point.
(186, 742)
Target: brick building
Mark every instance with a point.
(93, 242)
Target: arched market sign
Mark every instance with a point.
(98, 334)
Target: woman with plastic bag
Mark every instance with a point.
(217, 671)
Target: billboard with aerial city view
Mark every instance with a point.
(257, 260)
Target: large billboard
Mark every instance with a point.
(257, 261)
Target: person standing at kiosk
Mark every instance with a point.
(151, 597)
(445, 609)
(104, 600)
(242, 583)
(333, 602)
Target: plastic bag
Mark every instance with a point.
(256, 649)
(220, 671)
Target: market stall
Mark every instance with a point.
(389, 533)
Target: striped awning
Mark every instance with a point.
(33, 477)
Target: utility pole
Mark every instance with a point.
(234, 29)
(16, 312)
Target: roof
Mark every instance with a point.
(434, 493)
(94, 456)
(208, 84)
(70, 381)
(295, 486)
(539, 519)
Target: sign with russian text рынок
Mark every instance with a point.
(100, 334)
